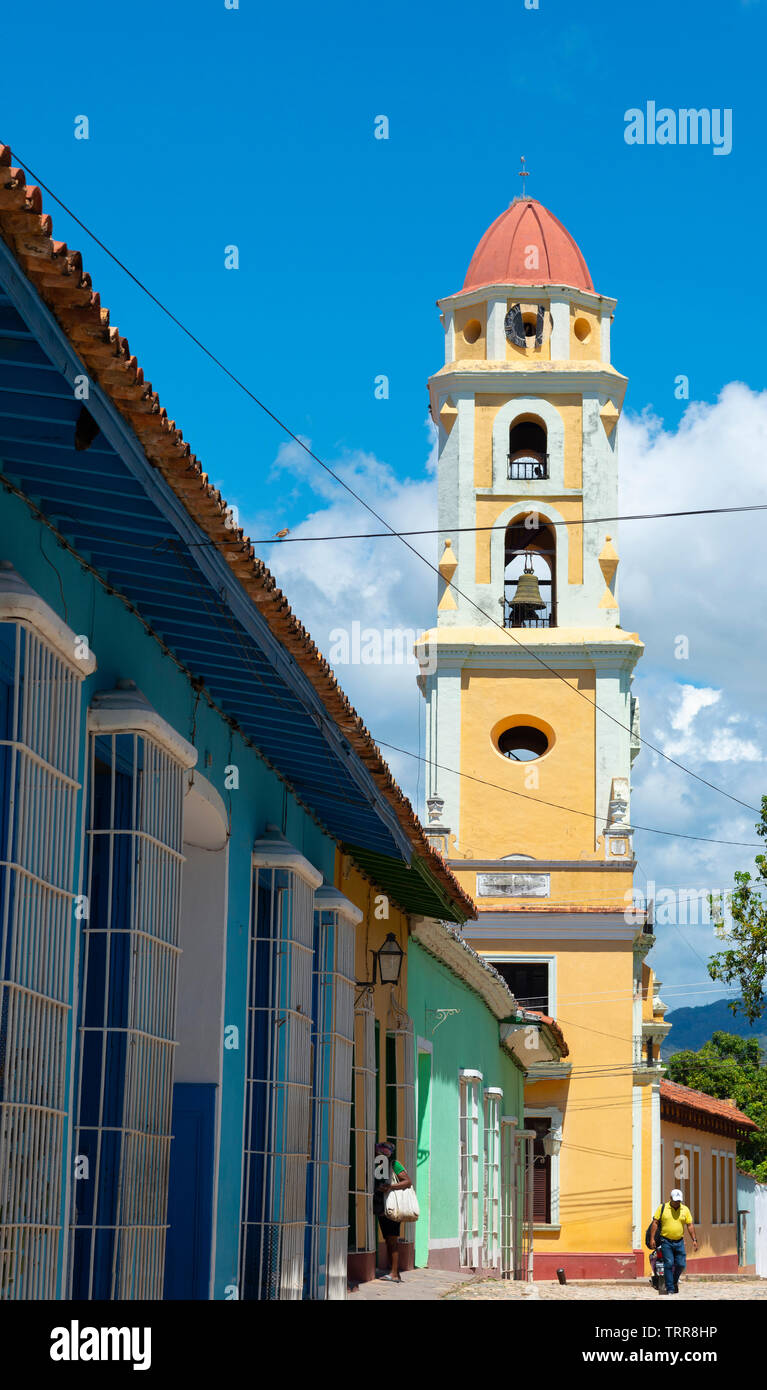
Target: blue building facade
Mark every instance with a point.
(178, 772)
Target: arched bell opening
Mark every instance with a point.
(528, 449)
(530, 571)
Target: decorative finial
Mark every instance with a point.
(524, 174)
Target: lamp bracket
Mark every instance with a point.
(441, 1015)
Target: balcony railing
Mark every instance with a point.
(524, 616)
(642, 1056)
(528, 466)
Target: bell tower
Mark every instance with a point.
(532, 726)
(527, 675)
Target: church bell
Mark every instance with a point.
(527, 594)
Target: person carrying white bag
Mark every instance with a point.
(390, 1205)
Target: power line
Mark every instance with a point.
(571, 810)
(460, 530)
(347, 487)
(438, 531)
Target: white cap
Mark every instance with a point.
(677, 1195)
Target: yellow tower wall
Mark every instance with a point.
(594, 1009)
(495, 824)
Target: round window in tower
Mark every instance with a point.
(472, 330)
(582, 330)
(522, 740)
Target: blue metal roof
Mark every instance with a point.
(123, 519)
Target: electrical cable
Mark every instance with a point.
(347, 487)
(460, 530)
(571, 810)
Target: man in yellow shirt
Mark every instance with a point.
(672, 1217)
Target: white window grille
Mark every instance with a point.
(279, 1072)
(687, 1176)
(526, 1190)
(400, 1087)
(362, 1224)
(470, 1212)
(492, 1176)
(510, 1202)
(130, 956)
(40, 689)
(723, 1187)
(335, 919)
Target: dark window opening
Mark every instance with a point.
(541, 1172)
(528, 456)
(522, 743)
(528, 982)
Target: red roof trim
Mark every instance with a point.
(699, 1101)
(57, 275)
(552, 1024)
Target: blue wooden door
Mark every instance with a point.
(190, 1195)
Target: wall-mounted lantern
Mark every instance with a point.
(389, 958)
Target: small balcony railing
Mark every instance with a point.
(525, 616)
(528, 466)
(646, 1053)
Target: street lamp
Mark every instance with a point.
(389, 957)
(551, 1144)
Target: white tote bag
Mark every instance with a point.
(402, 1205)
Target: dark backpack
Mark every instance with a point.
(647, 1241)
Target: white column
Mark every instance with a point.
(496, 337)
(636, 1165)
(612, 734)
(448, 746)
(560, 331)
(449, 336)
(605, 325)
(656, 1195)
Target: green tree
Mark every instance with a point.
(744, 960)
(731, 1068)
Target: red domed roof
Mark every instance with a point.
(500, 257)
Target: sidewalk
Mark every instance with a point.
(421, 1284)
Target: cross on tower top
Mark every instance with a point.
(523, 174)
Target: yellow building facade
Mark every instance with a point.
(532, 726)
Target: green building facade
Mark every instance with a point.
(471, 1160)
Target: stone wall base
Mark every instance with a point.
(589, 1264)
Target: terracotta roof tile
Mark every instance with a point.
(710, 1105)
(58, 276)
(555, 1028)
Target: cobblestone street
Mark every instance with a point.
(640, 1291)
(428, 1284)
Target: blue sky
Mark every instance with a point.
(210, 127)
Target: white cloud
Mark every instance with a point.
(698, 577)
(692, 700)
(712, 743)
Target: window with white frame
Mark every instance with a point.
(362, 1225)
(723, 1187)
(530, 979)
(492, 1175)
(40, 692)
(470, 1210)
(278, 1071)
(333, 1041)
(510, 1209)
(127, 1024)
(400, 1086)
(687, 1176)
